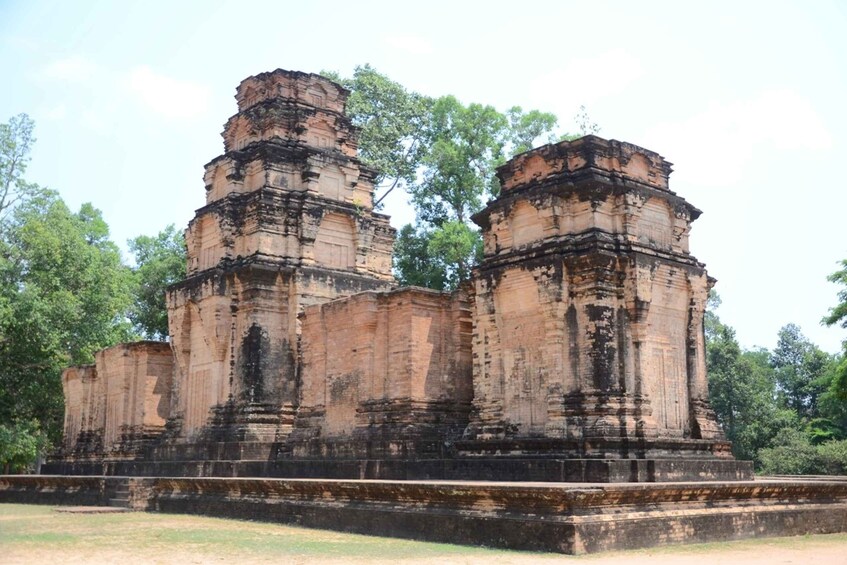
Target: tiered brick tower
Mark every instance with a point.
(588, 334)
(288, 222)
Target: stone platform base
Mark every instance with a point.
(480, 468)
(561, 517)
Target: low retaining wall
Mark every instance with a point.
(562, 517)
(45, 489)
(478, 468)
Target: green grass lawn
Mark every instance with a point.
(36, 527)
(39, 534)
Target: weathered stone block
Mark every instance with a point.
(384, 367)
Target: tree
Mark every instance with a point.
(466, 145)
(527, 128)
(742, 393)
(413, 264)
(712, 324)
(16, 142)
(838, 315)
(160, 262)
(20, 445)
(66, 293)
(833, 457)
(742, 389)
(722, 354)
(458, 247)
(791, 454)
(779, 408)
(799, 365)
(433, 258)
(392, 121)
(444, 154)
(838, 386)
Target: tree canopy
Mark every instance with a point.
(838, 315)
(16, 141)
(777, 407)
(444, 154)
(160, 262)
(65, 294)
(392, 122)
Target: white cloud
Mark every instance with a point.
(714, 146)
(585, 80)
(71, 69)
(410, 43)
(170, 97)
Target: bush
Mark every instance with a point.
(792, 454)
(833, 457)
(20, 445)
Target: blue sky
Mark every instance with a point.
(746, 99)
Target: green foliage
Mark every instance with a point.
(458, 247)
(66, 292)
(838, 386)
(800, 368)
(445, 154)
(830, 421)
(526, 128)
(781, 408)
(66, 262)
(20, 445)
(791, 454)
(160, 262)
(393, 122)
(741, 389)
(465, 146)
(833, 457)
(436, 258)
(711, 323)
(15, 145)
(838, 314)
(413, 265)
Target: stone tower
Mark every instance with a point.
(288, 222)
(588, 330)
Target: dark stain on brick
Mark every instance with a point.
(254, 350)
(602, 352)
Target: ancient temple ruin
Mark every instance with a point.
(575, 352)
(297, 367)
